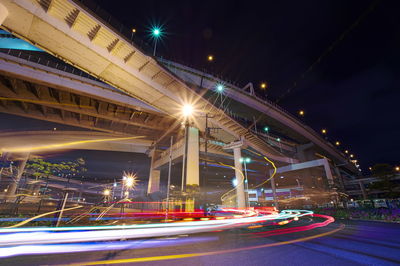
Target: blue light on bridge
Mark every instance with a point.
(7, 41)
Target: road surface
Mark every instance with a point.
(339, 243)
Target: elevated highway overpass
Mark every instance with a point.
(137, 94)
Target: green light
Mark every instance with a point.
(156, 32)
(278, 139)
(246, 160)
(266, 129)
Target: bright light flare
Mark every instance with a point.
(187, 110)
(130, 180)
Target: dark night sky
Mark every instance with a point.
(353, 91)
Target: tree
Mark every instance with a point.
(385, 173)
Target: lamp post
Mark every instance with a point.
(156, 33)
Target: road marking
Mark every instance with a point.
(182, 256)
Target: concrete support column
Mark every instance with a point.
(3, 13)
(339, 175)
(21, 167)
(240, 195)
(362, 187)
(154, 179)
(328, 172)
(273, 187)
(192, 157)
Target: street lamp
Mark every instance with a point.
(210, 58)
(263, 85)
(337, 143)
(133, 32)
(324, 131)
(187, 110)
(220, 87)
(106, 192)
(156, 33)
(301, 112)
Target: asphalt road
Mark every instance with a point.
(340, 243)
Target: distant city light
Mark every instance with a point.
(266, 129)
(337, 143)
(346, 151)
(397, 168)
(220, 88)
(115, 184)
(351, 155)
(278, 139)
(301, 112)
(324, 131)
(210, 58)
(133, 30)
(370, 168)
(282, 176)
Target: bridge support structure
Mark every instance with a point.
(14, 184)
(237, 155)
(154, 179)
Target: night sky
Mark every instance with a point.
(353, 91)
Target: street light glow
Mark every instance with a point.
(187, 110)
(210, 58)
(156, 32)
(220, 88)
(337, 143)
(323, 131)
(266, 129)
(246, 160)
(106, 192)
(263, 85)
(301, 112)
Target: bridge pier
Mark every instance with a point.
(14, 184)
(154, 178)
(240, 195)
(192, 150)
(237, 155)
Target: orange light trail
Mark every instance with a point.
(63, 145)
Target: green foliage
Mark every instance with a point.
(42, 168)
